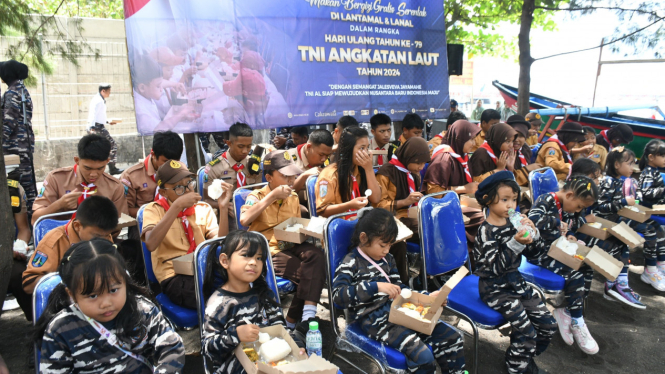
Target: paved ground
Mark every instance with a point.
(631, 341)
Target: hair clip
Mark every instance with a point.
(588, 187)
(618, 149)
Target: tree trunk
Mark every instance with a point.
(192, 148)
(6, 232)
(523, 86)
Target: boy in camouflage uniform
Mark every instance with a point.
(17, 135)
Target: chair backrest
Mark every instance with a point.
(239, 197)
(49, 222)
(147, 256)
(310, 187)
(442, 234)
(534, 152)
(200, 180)
(39, 301)
(542, 181)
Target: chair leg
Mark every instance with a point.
(376, 362)
(475, 338)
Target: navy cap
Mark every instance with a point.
(485, 186)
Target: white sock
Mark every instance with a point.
(578, 321)
(661, 265)
(290, 325)
(652, 269)
(308, 311)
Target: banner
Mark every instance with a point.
(202, 65)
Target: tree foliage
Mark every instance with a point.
(79, 8)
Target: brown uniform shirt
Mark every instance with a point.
(388, 194)
(599, 155)
(532, 140)
(64, 180)
(222, 167)
(140, 185)
(375, 158)
(327, 190)
(175, 243)
(273, 215)
(550, 155)
(479, 139)
(435, 142)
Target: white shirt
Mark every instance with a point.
(97, 111)
(147, 114)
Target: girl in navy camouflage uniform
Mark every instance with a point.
(498, 253)
(617, 290)
(651, 183)
(110, 327)
(578, 193)
(367, 280)
(235, 311)
(614, 197)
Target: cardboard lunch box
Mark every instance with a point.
(289, 236)
(595, 257)
(303, 364)
(413, 212)
(640, 216)
(602, 233)
(627, 235)
(184, 265)
(657, 209)
(125, 221)
(399, 318)
(469, 202)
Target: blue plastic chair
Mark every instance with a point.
(181, 317)
(40, 297)
(337, 237)
(200, 180)
(534, 152)
(423, 172)
(444, 249)
(200, 264)
(310, 186)
(542, 181)
(48, 222)
(239, 197)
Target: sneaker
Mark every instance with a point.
(303, 326)
(583, 338)
(621, 292)
(654, 279)
(532, 368)
(564, 320)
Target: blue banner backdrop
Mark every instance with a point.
(202, 65)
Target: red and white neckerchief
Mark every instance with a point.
(379, 158)
(445, 148)
(355, 192)
(67, 226)
(366, 257)
(558, 205)
(438, 136)
(489, 150)
(299, 151)
(409, 177)
(522, 158)
(555, 139)
(241, 180)
(189, 231)
(145, 163)
(607, 138)
(88, 189)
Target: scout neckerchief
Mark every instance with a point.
(145, 163)
(189, 231)
(299, 150)
(354, 193)
(109, 336)
(379, 158)
(366, 257)
(558, 205)
(522, 158)
(409, 178)
(88, 189)
(241, 180)
(607, 139)
(490, 151)
(445, 148)
(555, 139)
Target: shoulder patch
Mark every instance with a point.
(126, 182)
(551, 152)
(12, 183)
(39, 259)
(126, 189)
(16, 202)
(251, 200)
(255, 167)
(323, 189)
(294, 157)
(41, 191)
(214, 162)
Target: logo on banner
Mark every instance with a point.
(364, 112)
(290, 115)
(376, 111)
(431, 110)
(413, 110)
(392, 111)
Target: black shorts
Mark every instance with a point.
(181, 290)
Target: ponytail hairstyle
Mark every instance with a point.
(91, 267)
(583, 187)
(216, 275)
(618, 154)
(377, 223)
(654, 147)
(344, 157)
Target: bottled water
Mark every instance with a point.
(314, 340)
(515, 218)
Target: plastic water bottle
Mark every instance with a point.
(516, 220)
(314, 340)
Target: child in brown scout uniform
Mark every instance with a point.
(496, 154)
(488, 118)
(521, 166)
(234, 166)
(304, 264)
(176, 224)
(412, 125)
(311, 158)
(65, 188)
(534, 126)
(554, 152)
(381, 131)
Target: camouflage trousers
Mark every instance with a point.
(100, 129)
(532, 324)
(447, 346)
(27, 180)
(577, 286)
(654, 234)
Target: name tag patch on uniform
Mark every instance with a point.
(16, 201)
(39, 259)
(596, 156)
(126, 182)
(551, 152)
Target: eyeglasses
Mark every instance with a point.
(181, 190)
